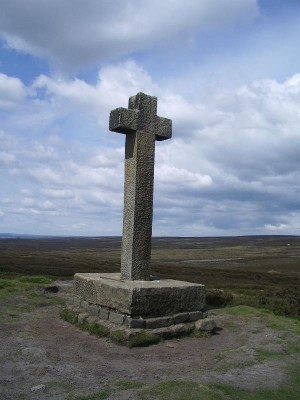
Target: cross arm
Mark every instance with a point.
(123, 120)
(163, 128)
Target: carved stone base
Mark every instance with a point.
(140, 300)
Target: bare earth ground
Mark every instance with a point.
(38, 348)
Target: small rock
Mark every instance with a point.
(51, 289)
(205, 325)
(38, 388)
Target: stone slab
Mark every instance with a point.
(195, 315)
(181, 318)
(154, 298)
(127, 333)
(103, 313)
(153, 323)
(206, 325)
(82, 317)
(116, 318)
(135, 323)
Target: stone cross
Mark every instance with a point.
(142, 127)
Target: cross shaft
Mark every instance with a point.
(142, 127)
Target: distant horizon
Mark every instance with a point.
(17, 235)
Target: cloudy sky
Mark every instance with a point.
(227, 72)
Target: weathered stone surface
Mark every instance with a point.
(135, 323)
(140, 298)
(174, 330)
(142, 126)
(94, 309)
(76, 301)
(92, 319)
(85, 305)
(123, 120)
(153, 323)
(116, 318)
(103, 313)
(180, 318)
(195, 315)
(205, 325)
(38, 388)
(132, 298)
(82, 317)
(138, 206)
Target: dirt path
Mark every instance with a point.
(41, 349)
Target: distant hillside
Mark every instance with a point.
(22, 236)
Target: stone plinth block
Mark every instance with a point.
(148, 299)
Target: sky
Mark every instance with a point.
(227, 72)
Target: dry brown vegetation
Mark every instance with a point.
(262, 271)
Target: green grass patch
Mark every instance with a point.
(290, 325)
(6, 283)
(126, 384)
(19, 294)
(101, 395)
(118, 337)
(38, 280)
(98, 330)
(69, 316)
(94, 328)
(265, 355)
(143, 339)
(179, 390)
(234, 365)
(288, 391)
(282, 301)
(200, 334)
(218, 297)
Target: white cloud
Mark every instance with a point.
(6, 158)
(172, 177)
(232, 165)
(12, 91)
(112, 89)
(73, 33)
(276, 228)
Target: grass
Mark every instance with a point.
(265, 354)
(143, 339)
(120, 385)
(93, 328)
(179, 390)
(272, 320)
(22, 294)
(100, 395)
(183, 390)
(126, 384)
(261, 271)
(289, 391)
(39, 280)
(283, 342)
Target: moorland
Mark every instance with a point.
(256, 270)
(253, 294)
